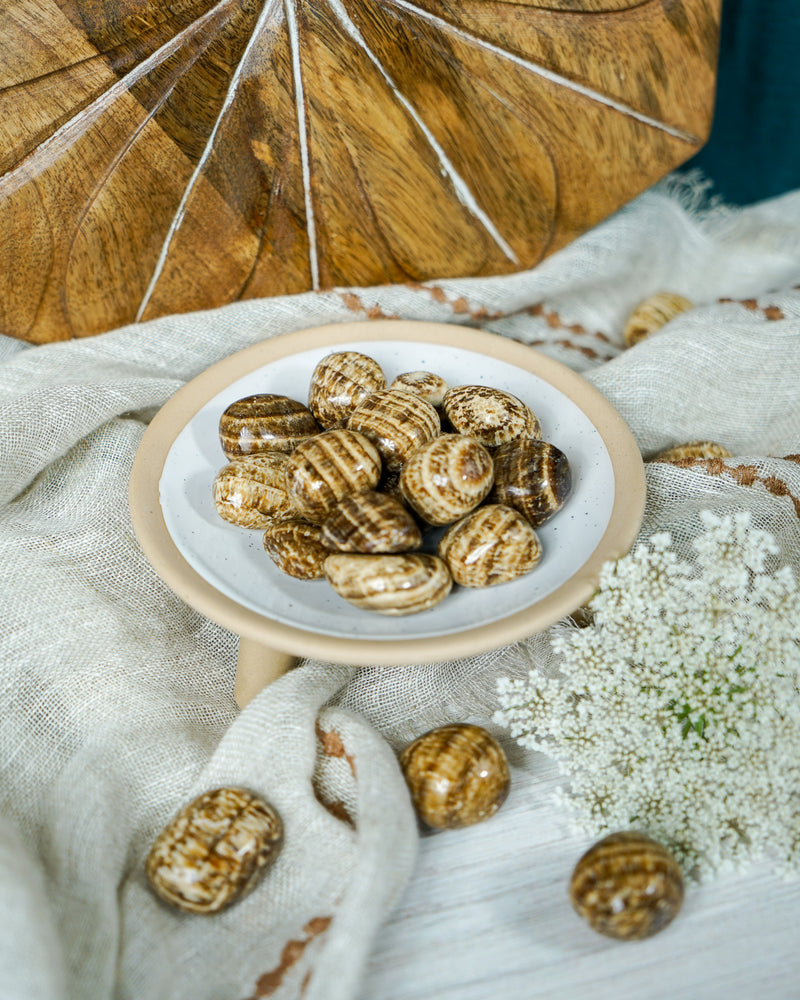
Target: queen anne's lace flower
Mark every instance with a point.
(677, 711)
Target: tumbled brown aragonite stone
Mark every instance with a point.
(652, 313)
(627, 886)
(457, 774)
(250, 492)
(389, 584)
(430, 386)
(447, 478)
(339, 382)
(297, 548)
(690, 451)
(327, 467)
(492, 545)
(492, 416)
(533, 477)
(264, 422)
(396, 422)
(214, 851)
(370, 522)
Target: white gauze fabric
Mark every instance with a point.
(118, 704)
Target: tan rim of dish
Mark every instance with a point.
(158, 546)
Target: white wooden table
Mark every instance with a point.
(487, 915)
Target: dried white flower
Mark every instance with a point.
(677, 711)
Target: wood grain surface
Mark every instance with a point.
(160, 157)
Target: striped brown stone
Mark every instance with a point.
(533, 477)
(457, 774)
(370, 522)
(492, 545)
(491, 416)
(429, 385)
(297, 548)
(692, 450)
(627, 886)
(214, 851)
(654, 312)
(327, 467)
(447, 478)
(397, 423)
(389, 584)
(339, 382)
(251, 492)
(264, 422)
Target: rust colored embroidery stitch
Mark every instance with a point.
(770, 312)
(588, 352)
(336, 808)
(745, 475)
(333, 746)
(554, 321)
(292, 952)
(354, 304)
(460, 306)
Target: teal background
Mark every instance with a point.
(754, 148)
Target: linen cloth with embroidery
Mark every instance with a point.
(118, 704)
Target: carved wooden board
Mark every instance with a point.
(160, 157)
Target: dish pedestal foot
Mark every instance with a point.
(256, 667)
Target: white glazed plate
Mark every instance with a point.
(598, 521)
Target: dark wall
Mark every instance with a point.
(754, 148)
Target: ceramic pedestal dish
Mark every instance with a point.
(222, 571)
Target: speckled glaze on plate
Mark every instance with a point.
(222, 571)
